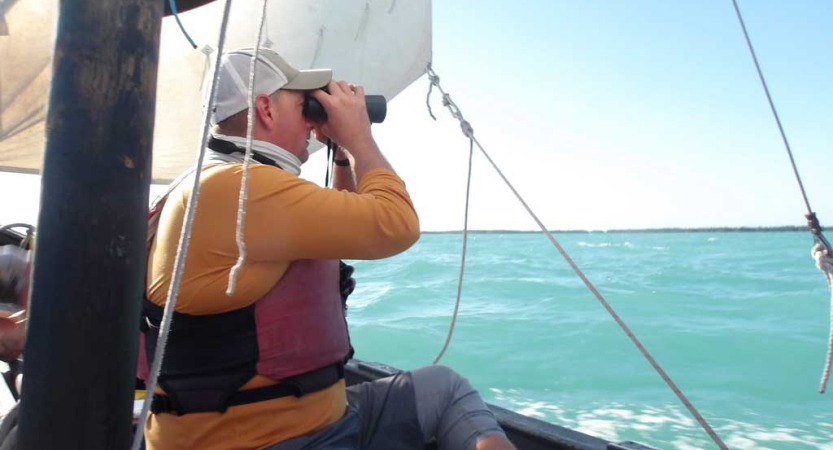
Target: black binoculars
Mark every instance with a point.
(377, 108)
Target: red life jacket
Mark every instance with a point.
(295, 333)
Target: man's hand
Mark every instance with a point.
(346, 282)
(347, 122)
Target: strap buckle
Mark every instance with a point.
(298, 389)
(165, 404)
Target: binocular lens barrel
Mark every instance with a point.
(377, 109)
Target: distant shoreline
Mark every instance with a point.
(803, 229)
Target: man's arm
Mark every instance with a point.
(344, 179)
(292, 218)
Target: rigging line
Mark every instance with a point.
(182, 28)
(435, 81)
(815, 228)
(244, 182)
(613, 313)
(182, 248)
(462, 257)
(772, 105)
(455, 111)
(824, 262)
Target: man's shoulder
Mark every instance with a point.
(234, 171)
(222, 176)
(220, 184)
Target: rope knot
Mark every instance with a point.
(824, 261)
(434, 79)
(813, 223)
(467, 129)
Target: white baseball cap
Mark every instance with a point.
(271, 73)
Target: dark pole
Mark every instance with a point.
(80, 355)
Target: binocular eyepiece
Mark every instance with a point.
(377, 108)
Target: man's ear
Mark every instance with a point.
(263, 111)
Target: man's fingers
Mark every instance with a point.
(345, 87)
(335, 87)
(347, 121)
(346, 281)
(348, 289)
(321, 137)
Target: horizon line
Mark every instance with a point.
(790, 228)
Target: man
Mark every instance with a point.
(263, 367)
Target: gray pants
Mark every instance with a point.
(405, 412)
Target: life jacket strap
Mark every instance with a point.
(297, 386)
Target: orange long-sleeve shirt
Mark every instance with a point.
(286, 219)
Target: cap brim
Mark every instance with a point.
(307, 80)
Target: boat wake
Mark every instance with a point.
(670, 427)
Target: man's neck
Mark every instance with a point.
(283, 158)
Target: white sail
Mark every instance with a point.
(383, 45)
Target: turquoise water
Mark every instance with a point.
(738, 320)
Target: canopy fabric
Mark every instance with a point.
(383, 45)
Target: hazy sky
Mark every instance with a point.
(609, 114)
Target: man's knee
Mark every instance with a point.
(450, 409)
(445, 373)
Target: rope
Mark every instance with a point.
(771, 104)
(244, 183)
(455, 112)
(182, 249)
(435, 81)
(813, 222)
(462, 258)
(824, 262)
(181, 28)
